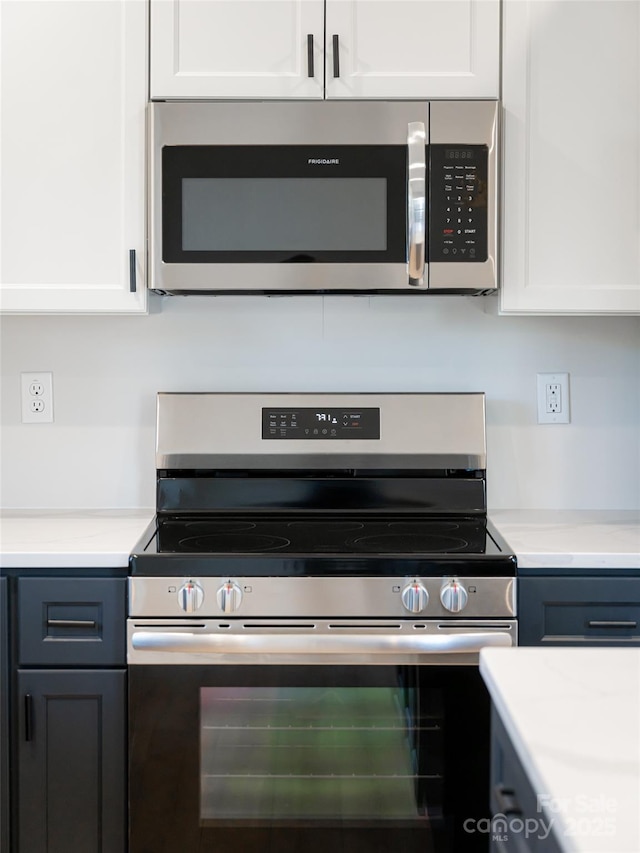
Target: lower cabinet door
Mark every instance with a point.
(4, 718)
(518, 824)
(72, 761)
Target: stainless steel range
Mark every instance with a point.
(305, 618)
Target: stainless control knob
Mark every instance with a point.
(415, 597)
(453, 596)
(229, 597)
(190, 596)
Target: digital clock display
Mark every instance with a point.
(321, 424)
(460, 154)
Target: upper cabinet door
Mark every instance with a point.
(232, 49)
(413, 49)
(73, 104)
(284, 48)
(571, 214)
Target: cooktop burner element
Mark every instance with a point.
(415, 543)
(232, 543)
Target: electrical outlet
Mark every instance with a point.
(37, 398)
(553, 398)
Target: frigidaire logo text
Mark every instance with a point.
(323, 161)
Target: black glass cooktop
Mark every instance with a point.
(321, 535)
(262, 545)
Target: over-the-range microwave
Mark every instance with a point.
(324, 197)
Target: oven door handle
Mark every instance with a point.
(186, 642)
(416, 201)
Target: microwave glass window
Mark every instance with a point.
(285, 214)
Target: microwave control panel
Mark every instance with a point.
(458, 203)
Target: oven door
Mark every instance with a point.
(291, 751)
(289, 198)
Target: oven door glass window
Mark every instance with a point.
(284, 204)
(318, 754)
(306, 759)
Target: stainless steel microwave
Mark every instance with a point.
(324, 197)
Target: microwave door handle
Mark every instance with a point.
(416, 199)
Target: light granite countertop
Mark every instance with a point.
(573, 716)
(580, 539)
(41, 539)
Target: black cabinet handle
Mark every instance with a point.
(310, 65)
(132, 270)
(602, 623)
(508, 806)
(28, 717)
(336, 57)
(71, 623)
(506, 799)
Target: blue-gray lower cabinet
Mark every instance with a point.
(71, 764)
(4, 717)
(69, 711)
(578, 611)
(518, 824)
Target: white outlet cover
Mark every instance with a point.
(37, 397)
(563, 416)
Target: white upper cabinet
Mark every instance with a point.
(412, 48)
(289, 48)
(237, 48)
(72, 235)
(571, 213)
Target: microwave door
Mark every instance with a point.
(324, 198)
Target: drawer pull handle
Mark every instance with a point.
(28, 717)
(71, 623)
(507, 802)
(601, 623)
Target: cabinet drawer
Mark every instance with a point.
(71, 622)
(579, 611)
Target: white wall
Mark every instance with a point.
(107, 370)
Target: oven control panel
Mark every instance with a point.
(321, 423)
(349, 597)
